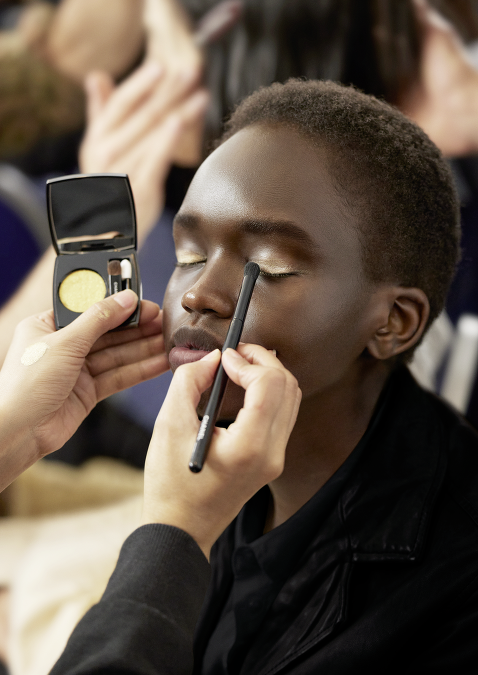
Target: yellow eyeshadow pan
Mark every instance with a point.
(81, 289)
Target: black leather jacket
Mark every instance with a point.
(389, 583)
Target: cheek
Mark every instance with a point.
(172, 308)
(317, 332)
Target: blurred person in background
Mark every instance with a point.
(47, 48)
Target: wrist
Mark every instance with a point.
(172, 518)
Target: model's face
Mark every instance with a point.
(266, 196)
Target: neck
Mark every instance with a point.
(328, 427)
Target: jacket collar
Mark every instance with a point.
(383, 514)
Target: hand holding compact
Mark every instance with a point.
(50, 380)
(242, 458)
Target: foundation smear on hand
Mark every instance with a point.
(34, 353)
(81, 289)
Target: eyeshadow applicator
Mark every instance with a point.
(203, 440)
(114, 276)
(126, 273)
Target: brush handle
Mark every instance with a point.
(213, 407)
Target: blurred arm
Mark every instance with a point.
(33, 296)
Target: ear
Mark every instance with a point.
(408, 314)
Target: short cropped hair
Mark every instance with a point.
(386, 169)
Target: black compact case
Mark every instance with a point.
(93, 223)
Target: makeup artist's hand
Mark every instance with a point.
(169, 35)
(444, 102)
(241, 459)
(136, 128)
(51, 380)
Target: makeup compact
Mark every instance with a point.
(93, 228)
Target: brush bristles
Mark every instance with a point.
(252, 269)
(114, 268)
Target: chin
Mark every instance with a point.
(233, 401)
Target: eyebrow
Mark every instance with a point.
(263, 227)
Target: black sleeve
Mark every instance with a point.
(145, 621)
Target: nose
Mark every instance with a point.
(215, 291)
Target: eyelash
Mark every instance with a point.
(191, 264)
(270, 275)
(279, 275)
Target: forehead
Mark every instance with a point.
(260, 167)
(274, 174)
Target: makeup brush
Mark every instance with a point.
(206, 430)
(126, 273)
(114, 276)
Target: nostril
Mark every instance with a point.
(211, 294)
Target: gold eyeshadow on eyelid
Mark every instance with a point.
(275, 269)
(188, 257)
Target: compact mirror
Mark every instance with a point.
(91, 212)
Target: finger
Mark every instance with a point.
(188, 383)
(188, 115)
(98, 87)
(154, 153)
(124, 336)
(149, 114)
(154, 150)
(128, 376)
(271, 394)
(128, 95)
(101, 317)
(149, 311)
(125, 354)
(256, 380)
(295, 410)
(256, 354)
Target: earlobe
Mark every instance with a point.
(406, 321)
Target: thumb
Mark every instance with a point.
(101, 317)
(189, 382)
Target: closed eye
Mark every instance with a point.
(276, 275)
(187, 258)
(185, 265)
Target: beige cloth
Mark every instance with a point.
(57, 564)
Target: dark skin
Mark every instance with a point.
(266, 195)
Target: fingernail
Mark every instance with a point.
(273, 351)
(233, 354)
(126, 299)
(211, 356)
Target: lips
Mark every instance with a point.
(191, 344)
